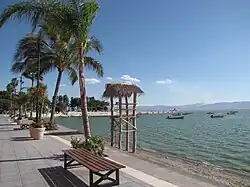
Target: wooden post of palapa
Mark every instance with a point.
(134, 124)
(127, 126)
(120, 123)
(112, 120)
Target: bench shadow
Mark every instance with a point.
(20, 138)
(59, 177)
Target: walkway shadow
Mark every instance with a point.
(5, 130)
(20, 138)
(8, 124)
(59, 157)
(18, 129)
(59, 177)
(63, 133)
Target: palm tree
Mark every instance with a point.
(11, 88)
(31, 76)
(75, 18)
(56, 54)
(21, 101)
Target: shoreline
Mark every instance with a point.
(213, 174)
(95, 114)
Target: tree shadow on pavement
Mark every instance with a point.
(21, 138)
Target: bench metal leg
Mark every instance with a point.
(117, 177)
(114, 182)
(91, 179)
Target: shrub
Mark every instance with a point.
(95, 144)
(37, 125)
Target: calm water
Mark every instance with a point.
(224, 142)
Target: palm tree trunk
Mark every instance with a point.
(31, 104)
(11, 105)
(37, 101)
(20, 111)
(41, 110)
(38, 82)
(85, 118)
(25, 110)
(53, 105)
(14, 107)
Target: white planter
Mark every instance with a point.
(37, 133)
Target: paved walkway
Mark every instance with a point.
(27, 163)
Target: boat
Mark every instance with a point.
(186, 113)
(210, 113)
(217, 116)
(175, 117)
(232, 112)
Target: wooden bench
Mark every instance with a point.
(96, 164)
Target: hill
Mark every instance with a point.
(199, 106)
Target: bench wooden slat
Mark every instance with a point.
(93, 162)
(93, 159)
(101, 160)
(85, 162)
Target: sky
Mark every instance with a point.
(179, 52)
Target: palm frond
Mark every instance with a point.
(18, 67)
(30, 11)
(89, 12)
(72, 73)
(94, 44)
(92, 64)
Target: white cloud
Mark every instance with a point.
(92, 81)
(128, 78)
(166, 81)
(109, 78)
(63, 85)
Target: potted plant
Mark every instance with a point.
(37, 130)
(19, 120)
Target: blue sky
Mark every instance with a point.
(178, 52)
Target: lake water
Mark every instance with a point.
(224, 142)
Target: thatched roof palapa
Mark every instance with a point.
(121, 89)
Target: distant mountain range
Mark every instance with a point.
(198, 106)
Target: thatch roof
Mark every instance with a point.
(121, 89)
